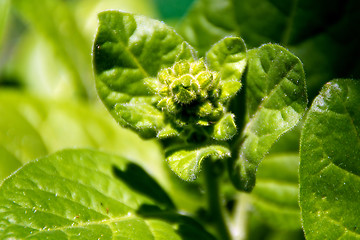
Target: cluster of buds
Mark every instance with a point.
(190, 93)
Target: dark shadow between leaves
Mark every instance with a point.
(140, 181)
(187, 227)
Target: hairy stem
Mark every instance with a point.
(215, 208)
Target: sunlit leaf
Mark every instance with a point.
(128, 49)
(329, 167)
(48, 199)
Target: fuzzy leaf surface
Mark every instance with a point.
(228, 57)
(329, 166)
(48, 199)
(186, 163)
(276, 100)
(128, 49)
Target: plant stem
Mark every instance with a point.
(239, 221)
(215, 209)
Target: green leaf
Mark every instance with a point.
(48, 199)
(329, 167)
(8, 162)
(55, 125)
(228, 57)
(186, 163)
(275, 196)
(71, 124)
(18, 136)
(135, 177)
(66, 38)
(276, 100)
(128, 49)
(308, 28)
(147, 119)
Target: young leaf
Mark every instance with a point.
(228, 57)
(186, 163)
(48, 199)
(276, 100)
(329, 167)
(275, 196)
(129, 49)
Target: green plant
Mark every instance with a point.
(215, 115)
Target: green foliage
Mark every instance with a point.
(152, 82)
(329, 170)
(127, 50)
(276, 100)
(89, 203)
(309, 29)
(200, 105)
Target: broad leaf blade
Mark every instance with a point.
(186, 163)
(129, 48)
(329, 168)
(276, 100)
(275, 196)
(48, 199)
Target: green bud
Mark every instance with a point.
(181, 68)
(225, 128)
(197, 67)
(153, 84)
(193, 96)
(171, 106)
(164, 91)
(205, 79)
(183, 95)
(167, 132)
(205, 109)
(164, 74)
(217, 112)
(202, 123)
(186, 80)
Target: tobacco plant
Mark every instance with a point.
(222, 118)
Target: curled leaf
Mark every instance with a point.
(186, 163)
